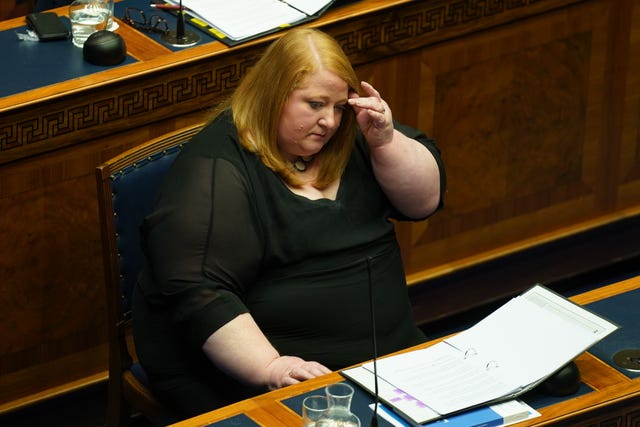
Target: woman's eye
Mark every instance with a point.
(341, 107)
(316, 105)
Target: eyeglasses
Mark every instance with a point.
(138, 20)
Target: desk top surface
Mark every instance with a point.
(603, 384)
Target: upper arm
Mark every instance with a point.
(202, 243)
(433, 148)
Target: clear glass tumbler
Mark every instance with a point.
(313, 408)
(87, 17)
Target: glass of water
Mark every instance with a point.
(87, 17)
(313, 408)
(112, 25)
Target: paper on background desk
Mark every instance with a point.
(502, 356)
(310, 7)
(240, 19)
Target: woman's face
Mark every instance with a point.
(312, 114)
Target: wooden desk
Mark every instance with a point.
(534, 104)
(614, 401)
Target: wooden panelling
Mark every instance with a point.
(530, 127)
(535, 104)
(52, 303)
(13, 8)
(627, 174)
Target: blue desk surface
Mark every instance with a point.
(30, 65)
(623, 310)
(143, 5)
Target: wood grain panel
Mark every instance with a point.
(521, 116)
(628, 171)
(53, 316)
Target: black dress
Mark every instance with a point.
(227, 237)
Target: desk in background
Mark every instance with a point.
(608, 396)
(534, 104)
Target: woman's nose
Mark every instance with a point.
(328, 119)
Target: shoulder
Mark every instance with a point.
(218, 140)
(213, 149)
(216, 135)
(414, 133)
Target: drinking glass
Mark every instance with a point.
(112, 25)
(339, 414)
(87, 17)
(313, 408)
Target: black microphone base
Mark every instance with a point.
(188, 39)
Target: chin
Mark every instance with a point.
(316, 143)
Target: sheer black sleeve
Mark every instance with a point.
(202, 245)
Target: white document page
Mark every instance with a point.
(310, 7)
(393, 396)
(440, 377)
(239, 19)
(506, 353)
(532, 336)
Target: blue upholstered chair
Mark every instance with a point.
(127, 185)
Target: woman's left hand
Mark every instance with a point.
(373, 115)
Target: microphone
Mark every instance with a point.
(180, 23)
(374, 418)
(180, 37)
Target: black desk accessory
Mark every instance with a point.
(104, 48)
(47, 25)
(564, 382)
(180, 37)
(628, 359)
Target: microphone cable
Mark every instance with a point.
(374, 418)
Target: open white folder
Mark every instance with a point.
(504, 355)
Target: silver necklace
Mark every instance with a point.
(300, 164)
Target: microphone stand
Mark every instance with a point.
(180, 37)
(374, 417)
